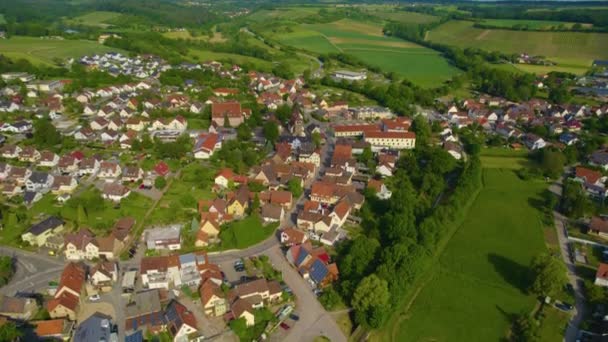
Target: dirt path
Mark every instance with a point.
(482, 35)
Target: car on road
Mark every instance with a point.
(285, 326)
(94, 298)
(564, 306)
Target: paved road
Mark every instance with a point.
(572, 331)
(32, 271)
(314, 320)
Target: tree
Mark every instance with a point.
(295, 187)
(10, 332)
(524, 329)
(421, 127)
(574, 201)
(370, 301)
(330, 298)
(45, 134)
(271, 131)
(559, 94)
(549, 275)
(551, 162)
(6, 269)
(160, 183)
(316, 139)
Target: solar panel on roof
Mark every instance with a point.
(318, 271)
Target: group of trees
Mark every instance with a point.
(378, 267)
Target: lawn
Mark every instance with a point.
(570, 49)
(179, 204)
(245, 233)
(482, 275)
(102, 219)
(366, 41)
(48, 51)
(97, 18)
(553, 325)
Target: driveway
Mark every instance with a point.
(314, 320)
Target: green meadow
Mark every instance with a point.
(48, 51)
(366, 41)
(481, 278)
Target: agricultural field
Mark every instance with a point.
(388, 12)
(531, 24)
(482, 274)
(567, 49)
(49, 51)
(289, 13)
(98, 18)
(366, 41)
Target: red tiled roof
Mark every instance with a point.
(602, 271)
(589, 175)
(230, 109)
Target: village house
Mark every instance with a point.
(160, 271)
(67, 164)
(132, 174)
(81, 245)
(213, 299)
(229, 112)
(313, 264)
(380, 189)
(41, 231)
(601, 276)
(115, 192)
(29, 154)
(63, 185)
(48, 159)
(109, 170)
(291, 236)
(88, 166)
(180, 321)
(206, 145)
(18, 308)
(104, 274)
(54, 329)
(39, 181)
(67, 297)
(164, 238)
(599, 226)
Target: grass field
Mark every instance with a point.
(568, 49)
(366, 41)
(244, 233)
(2, 19)
(205, 55)
(98, 18)
(46, 51)
(481, 279)
(179, 204)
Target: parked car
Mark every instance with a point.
(564, 306)
(294, 317)
(285, 326)
(94, 298)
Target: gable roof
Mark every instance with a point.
(602, 271)
(47, 224)
(589, 175)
